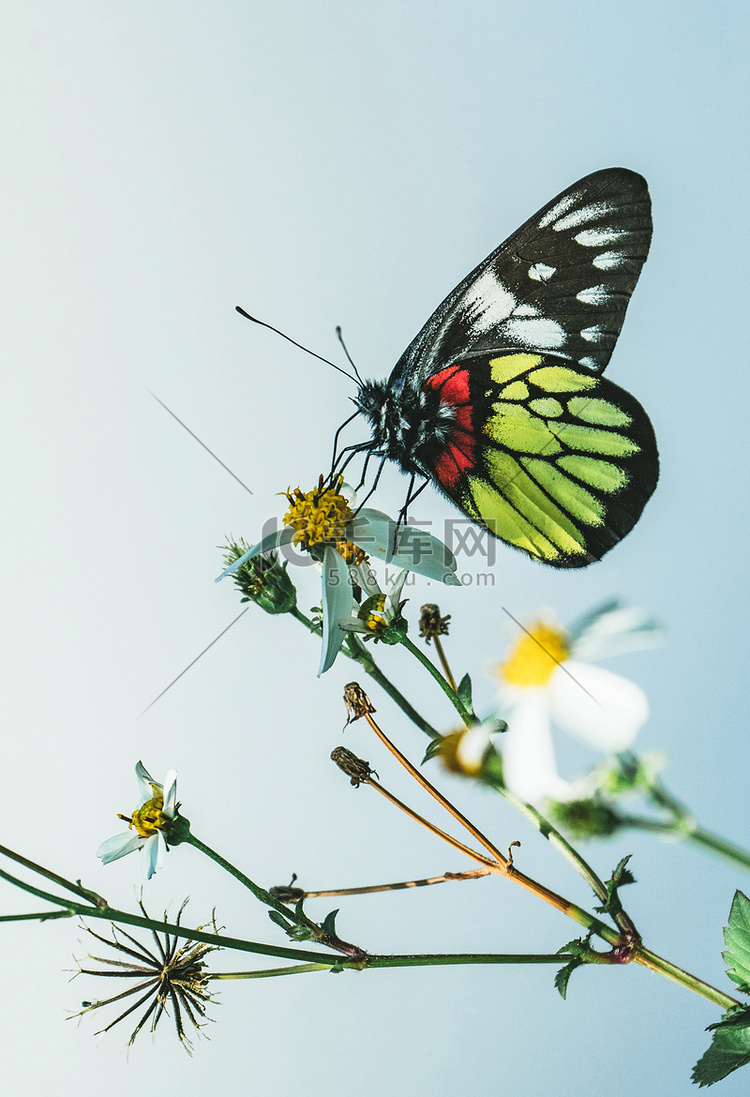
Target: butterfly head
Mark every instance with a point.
(372, 401)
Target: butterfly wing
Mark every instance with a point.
(543, 453)
(560, 284)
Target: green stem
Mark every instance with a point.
(697, 835)
(287, 913)
(354, 649)
(650, 960)
(555, 838)
(452, 696)
(259, 892)
(111, 914)
(359, 653)
(38, 916)
(297, 969)
(441, 960)
(76, 889)
(320, 961)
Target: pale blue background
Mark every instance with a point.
(323, 164)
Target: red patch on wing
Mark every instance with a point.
(459, 454)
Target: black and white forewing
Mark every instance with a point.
(560, 284)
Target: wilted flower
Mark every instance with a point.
(545, 679)
(173, 975)
(431, 624)
(153, 822)
(338, 538)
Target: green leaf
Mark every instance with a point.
(296, 933)
(464, 692)
(619, 878)
(329, 923)
(730, 1047)
(580, 950)
(737, 940)
(432, 750)
(563, 975)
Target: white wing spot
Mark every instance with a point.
(608, 260)
(488, 301)
(540, 272)
(526, 310)
(536, 333)
(557, 211)
(582, 215)
(593, 238)
(594, 295)
(592, 335)
(590, 363)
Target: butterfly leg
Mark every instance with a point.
(411, 495)
(346, 423)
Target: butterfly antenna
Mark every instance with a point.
(349, 358)
(294, 342)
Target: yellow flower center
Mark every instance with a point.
(319, 517)
(536, 656)
(150, 817)
(371, 613)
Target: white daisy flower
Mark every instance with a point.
(379, 609)
(151, 821)
(339, 539)
(545, 679)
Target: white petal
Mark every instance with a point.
(170, 793)
(529, 764)
(145, 781)
(352, 624)
(349, 494)
(119, 846)
(472, 747)
(337, 603)
(613, 628)
(152, 855)
(596, 706)
(394, 591)
(365, 577)
(417, 551)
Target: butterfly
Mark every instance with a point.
(499, 400)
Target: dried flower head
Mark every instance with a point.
(357, 702)
(172, 975)
(431, 624)
(354, 767)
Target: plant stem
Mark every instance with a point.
(297, 969)
(697, 835)
(442, 800)
(444, 663)
(548, 831)
(445, 687)
(320, 961)
(354, 649)
(287, 913)
(369, 889)
(502, 865)
(648, 959)
(259, 892)
(480, 858)
(76, 889)
(441, 960)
